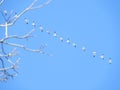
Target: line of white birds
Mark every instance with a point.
(94, 53)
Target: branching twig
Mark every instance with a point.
(23, 47)
(10, 54)
(18, 36)
(30, 7)
(11, 67)
(4, 55)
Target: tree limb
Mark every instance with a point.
(5, 56)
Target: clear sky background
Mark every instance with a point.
(94, 24)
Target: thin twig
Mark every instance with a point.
(27, 35)
(23, 47)
(30, 7)
(7, 56)
(1, 2)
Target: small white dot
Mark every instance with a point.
(68, 41)
(74, 45)
(110, 61)
(102, 56)
(33, 23)
(26, 21)
(94, 53)
(41, 28)
(48, 31)
(61, 39)
(83, 48)
(55, 34)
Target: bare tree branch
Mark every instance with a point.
(7, 56)
(1, 2)
(30, 7)
(23, 47)
(10, 54)
(18, 36)
(14, 66)
(41, 5)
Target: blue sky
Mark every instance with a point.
(94, 24)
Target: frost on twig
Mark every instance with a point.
(9, 66)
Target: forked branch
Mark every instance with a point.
(30, 7)
(9, 70)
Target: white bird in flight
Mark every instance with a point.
(61, 39)
(102, 56)
(48, 31)
(41, 28)
(94, 53)
(26, 21)
(33, 24)
(84, 48)
(68, 41)
(110, 61)
(55, 34)
(74, 45)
